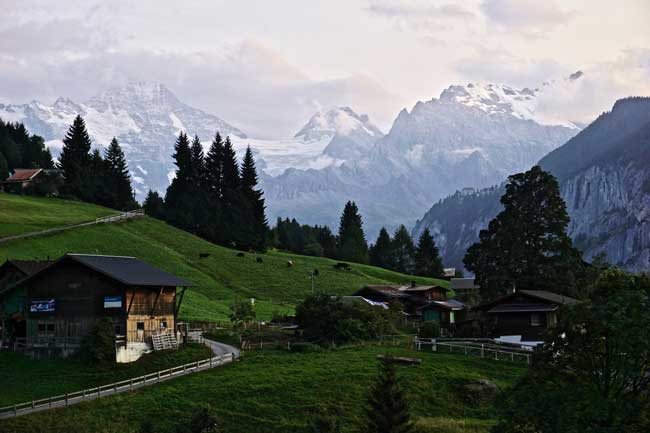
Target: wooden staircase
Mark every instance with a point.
(164, 341)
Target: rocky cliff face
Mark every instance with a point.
(604, 175)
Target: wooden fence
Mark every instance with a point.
(483, 348)
(65, 400)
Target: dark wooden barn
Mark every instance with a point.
(525, 313)
(411, 297)
(63, 301)
(12, 302)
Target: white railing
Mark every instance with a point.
(485, 349)
(65, 400)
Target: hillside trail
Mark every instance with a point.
(103, 220)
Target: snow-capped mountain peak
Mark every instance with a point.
(338, 121)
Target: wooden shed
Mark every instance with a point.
(524, 313)
(66, 298)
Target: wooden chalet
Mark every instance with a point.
(33, 180)
(12, 302)
(526, 314)
(64, 299)
(411, 297)
(444, 312)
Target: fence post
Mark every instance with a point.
(159, 376)
(66, 399)
(482, 350)
(15, 410)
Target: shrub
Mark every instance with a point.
(99, 345)
(429, 330)
(305, 347)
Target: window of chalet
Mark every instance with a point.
(46, 328)
(163, 325)
(535, 319)
(139, 326)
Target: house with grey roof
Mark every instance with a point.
(63, 301)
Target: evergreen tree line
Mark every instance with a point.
(213, 196)
(349, 245)
(92, 177)
(400, 254)
(19, 149)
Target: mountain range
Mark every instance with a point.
(604, 180)
(472, 136)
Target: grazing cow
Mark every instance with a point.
(240, 254)
(342, 266)
(204, 255)
(290, 264)
(259, 260)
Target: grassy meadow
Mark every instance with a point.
(277, 391)
(23, 379)
(220, 278)
(23, 214)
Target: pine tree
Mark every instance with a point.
(427, 258)
(97, 180)
(352, 244)
(118, 179)
(75, 161)
(231, 197)
(178, 200)
(154, 205)
(526, 245)
(387, 410)
(197, 162)
(253, 205)
(403, 251)
(381, 251)
(4, 167)
(213, 187)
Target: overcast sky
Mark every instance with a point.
(263, 65)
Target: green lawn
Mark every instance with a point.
(220, 278)
(22, 214)
(275, 391)
(23, 379)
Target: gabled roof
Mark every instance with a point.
(536, 295)
(449, 304)
(423, 288)
(29, 267)
(550, 296)
(23, 174)
(126, 270)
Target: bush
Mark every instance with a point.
(99, 345)
(329, 321)
(429, 330)
(305, 347)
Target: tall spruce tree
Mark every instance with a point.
(381, 251)
(98, 189)
(231, 197)
(198, 190)
(352, 244)
(214, 187)
(118, 179)
(387, 410)
(75, 161)
(4, 167)
(427, 257)
(154, 205)
(403, 251)
(253, 205)
(178, 200)
(526, 245)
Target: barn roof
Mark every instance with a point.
(29, 267)
(536, 296)
(23, 174)
(127, 270)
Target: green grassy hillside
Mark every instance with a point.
(22, 214)
(274, 391)
(220, 278)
